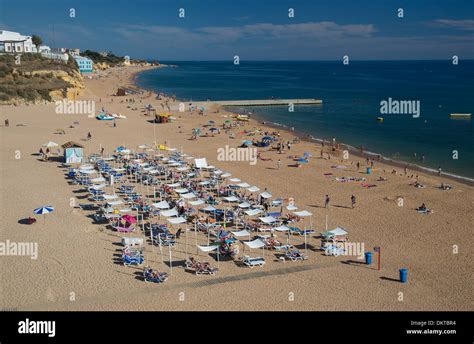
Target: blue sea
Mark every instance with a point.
(351, 96)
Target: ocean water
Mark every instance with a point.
(351, 97)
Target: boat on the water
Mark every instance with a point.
(244, 118)
(460, 115)
(380, 119)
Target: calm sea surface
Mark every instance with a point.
(351, 102)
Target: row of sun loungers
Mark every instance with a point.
(174, 181)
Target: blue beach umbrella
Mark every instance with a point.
(43, 211)
(302, 160)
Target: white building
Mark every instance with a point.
(44, 49)
(14, 42)
(55, 56)
(75, 51)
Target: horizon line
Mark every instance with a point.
(361, 60)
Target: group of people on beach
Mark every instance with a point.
(327, 201)
(45, 154)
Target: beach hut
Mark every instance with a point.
(73, 153)
(121, 92)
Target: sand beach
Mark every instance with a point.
(78, 265)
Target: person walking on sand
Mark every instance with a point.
(102, 151)
(41, 153)
(358, 166)
(279, 163)
(439, 171)
(7, 123)
(89, 136)
(353, 201)
(326, 201)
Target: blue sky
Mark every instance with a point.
(252, 29)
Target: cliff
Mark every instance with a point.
(37, 79)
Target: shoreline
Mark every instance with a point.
(304, 136)
(374, 155)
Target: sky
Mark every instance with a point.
(251, 29)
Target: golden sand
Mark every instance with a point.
(76, 267)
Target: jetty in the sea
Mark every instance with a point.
(268, 102)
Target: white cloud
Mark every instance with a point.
(465, 24)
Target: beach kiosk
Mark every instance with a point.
(162, 118)
(73, 153)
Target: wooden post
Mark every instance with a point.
(379, 260)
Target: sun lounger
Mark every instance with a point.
(298, 231)
(132, 260)
(333, 250)
(89, 206)
(124, 229)
(127, 241)
(271, 243)
(426, 211)
(283, 247)
(252, 262)
(132, 251)
(295, 255)
(151, 276)
(200, 268)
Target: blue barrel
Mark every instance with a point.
(369, 170)
(368, 258)
(403, 275)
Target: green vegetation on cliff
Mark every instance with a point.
(110, 59)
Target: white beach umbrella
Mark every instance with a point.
(50, 144)
(253, 189)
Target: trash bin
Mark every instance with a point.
(403, 275)
(369, 170)
(368, 258)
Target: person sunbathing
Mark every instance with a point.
(261, 157)
(272, 242)
(418, 185)
(424, 209)
(445, 186)
(295, 253)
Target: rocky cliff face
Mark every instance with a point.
(38, 80)
(74, 79)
